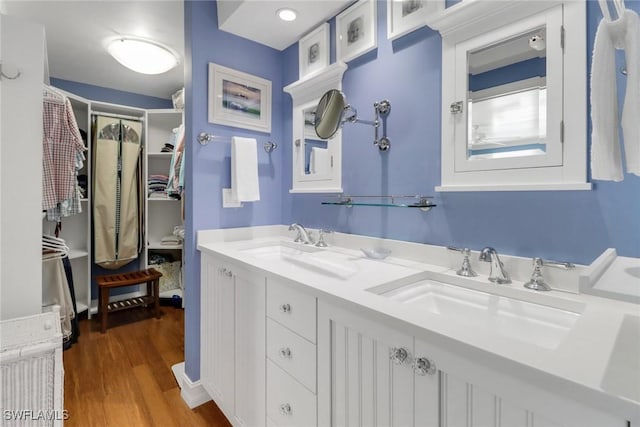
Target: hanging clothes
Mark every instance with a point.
(75, 329)
(62, 156)
(57, 284)
(175, 184)
(117, 207)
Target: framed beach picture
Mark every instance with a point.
(405, 16)
(356, 30)
(239, 99)
(313, 51)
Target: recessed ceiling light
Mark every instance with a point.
(287, 14)
(143, 56)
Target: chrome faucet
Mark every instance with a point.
(303, 235)
(497, 273)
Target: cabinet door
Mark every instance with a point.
(359, 383)
(217, 333)
(474, 395)
(250, 353)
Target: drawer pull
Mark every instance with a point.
(285, 409)
(399, 356)
(225, 272)
(285, 308)
(424, 366)
(285, 353)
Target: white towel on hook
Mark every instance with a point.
(606, 158)
(606, 161)
(245, 186)
(631, 107)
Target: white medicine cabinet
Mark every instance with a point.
(514, 101)
(316, 163)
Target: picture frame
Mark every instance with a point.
(406, 16)
(313, 51)
(356, 30)
(239, 99)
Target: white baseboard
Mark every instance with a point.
(193, 393)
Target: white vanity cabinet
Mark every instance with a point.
(370, 374)
(233, 340)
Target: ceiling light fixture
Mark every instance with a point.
(143, 56)
(287, 14)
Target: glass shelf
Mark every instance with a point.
(423, 203)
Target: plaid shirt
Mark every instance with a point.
(60, 143)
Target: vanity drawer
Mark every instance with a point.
(292, 353)
(292, 308)
(289, 403)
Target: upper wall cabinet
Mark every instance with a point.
(514, 95)
(316, 163)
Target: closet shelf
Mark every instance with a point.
(421, 202)
(81, 307)
(158, 245)
(77, 253)
(162, 199)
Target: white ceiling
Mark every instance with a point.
(76, 33)
(257, 19)
(77, 30)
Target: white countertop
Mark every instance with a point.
(580, 364)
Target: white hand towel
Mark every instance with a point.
(320, 161)
(244, 169)
(631, 107)
(606, 161)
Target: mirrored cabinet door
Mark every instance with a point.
(510, 92)
(316, 162)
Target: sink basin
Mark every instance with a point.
(326, 263)
(278, 250)
(537, 324)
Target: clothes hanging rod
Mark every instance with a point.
(118, 116)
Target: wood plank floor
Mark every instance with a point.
(123, 377)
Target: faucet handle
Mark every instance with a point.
(537, 282)
(321, 243)
(556, 264)
(465, 270)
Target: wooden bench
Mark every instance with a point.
(105, 283)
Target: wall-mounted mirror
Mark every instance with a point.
(514, 98)
(329, 113)
(330, 116)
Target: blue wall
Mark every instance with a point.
(210, 165)
(113, 96)
(567, 225)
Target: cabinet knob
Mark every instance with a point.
(285, 353)
(424, 366)
(285, 409)
(399, 356)
(285, 308)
